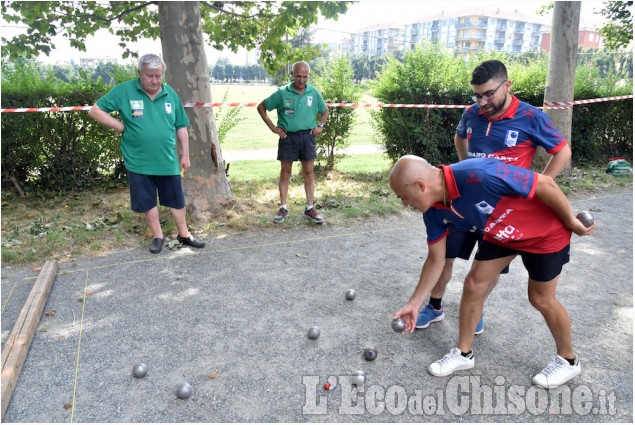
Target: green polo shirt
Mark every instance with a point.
(296, 111)
(148, 143)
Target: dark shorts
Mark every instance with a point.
(541, 267)
(298, 145)
(461, 244)
(144, 189)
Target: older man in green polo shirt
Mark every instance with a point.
(298, 105)
(152, 120)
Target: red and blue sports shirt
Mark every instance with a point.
(496, 198)
(512, 137)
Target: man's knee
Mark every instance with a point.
(542, 302)
(472, 286)
(477, 283)
(285, 173)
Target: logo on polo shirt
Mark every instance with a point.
(137, 108)
(484, 208)
(512, 138)
(289, 106)
(309, 100)
(168, 108)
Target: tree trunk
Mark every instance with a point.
(206, 188)
(560, 85)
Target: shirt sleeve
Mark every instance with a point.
(545, 134)
(461, 129)
(110, 101)
(436, 227)
(180, 116)
(273, 101)
(321, 104)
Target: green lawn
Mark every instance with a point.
(269, 170)
(252, 133)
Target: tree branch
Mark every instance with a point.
(116, 17)
(220, 9)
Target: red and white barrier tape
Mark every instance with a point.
(569, 105)
(547, 105)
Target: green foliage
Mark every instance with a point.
(434, 76)
(618, 32)
(224, 71)
(367, 67)
(76, 21)
(428, 75)
(229, 25)
(608, 62)
(54, 150)
(226, 120)
(336, 85)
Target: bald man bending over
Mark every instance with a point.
(521, 213)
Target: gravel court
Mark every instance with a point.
(241, 308)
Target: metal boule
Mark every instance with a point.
(139, 370)
(586, 218)
(314, 332)
(350, 294)
(370, 354)
(398, 325)
(184, 391)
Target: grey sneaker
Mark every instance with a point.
(557, 372)
(282, 214)
(312, 214)
(451, 362)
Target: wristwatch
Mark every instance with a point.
(320, 124)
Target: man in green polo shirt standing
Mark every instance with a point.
(152, 120)
(297, 104)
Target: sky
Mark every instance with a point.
(360, 15)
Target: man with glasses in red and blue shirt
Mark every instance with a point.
(497, 126)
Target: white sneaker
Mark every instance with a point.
(451, 362)
(557, 372)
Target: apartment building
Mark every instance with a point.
(376, 40)
(588, 38)
(473, 30)
(467, 30)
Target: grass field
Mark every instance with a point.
(252, 133)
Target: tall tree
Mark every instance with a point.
(180, 25)
(562, 63)
(618, 32)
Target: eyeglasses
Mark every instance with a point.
(489, 95)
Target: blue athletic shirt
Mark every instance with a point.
(512, 137)
(496, 198)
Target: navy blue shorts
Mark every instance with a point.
(461, 244)
(541, 267)
(144, 189)
(298, 145)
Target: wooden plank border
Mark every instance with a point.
(19, 341)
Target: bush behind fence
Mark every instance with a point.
(433, 75)
(70, 151)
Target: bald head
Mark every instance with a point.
(410, 168)
(416, 182)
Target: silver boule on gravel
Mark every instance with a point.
(398, 325)
(139, 370)
(370, 354)
(586, 218)
(358, 378)
(350, 294)
(184, 391)
(314, 332)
